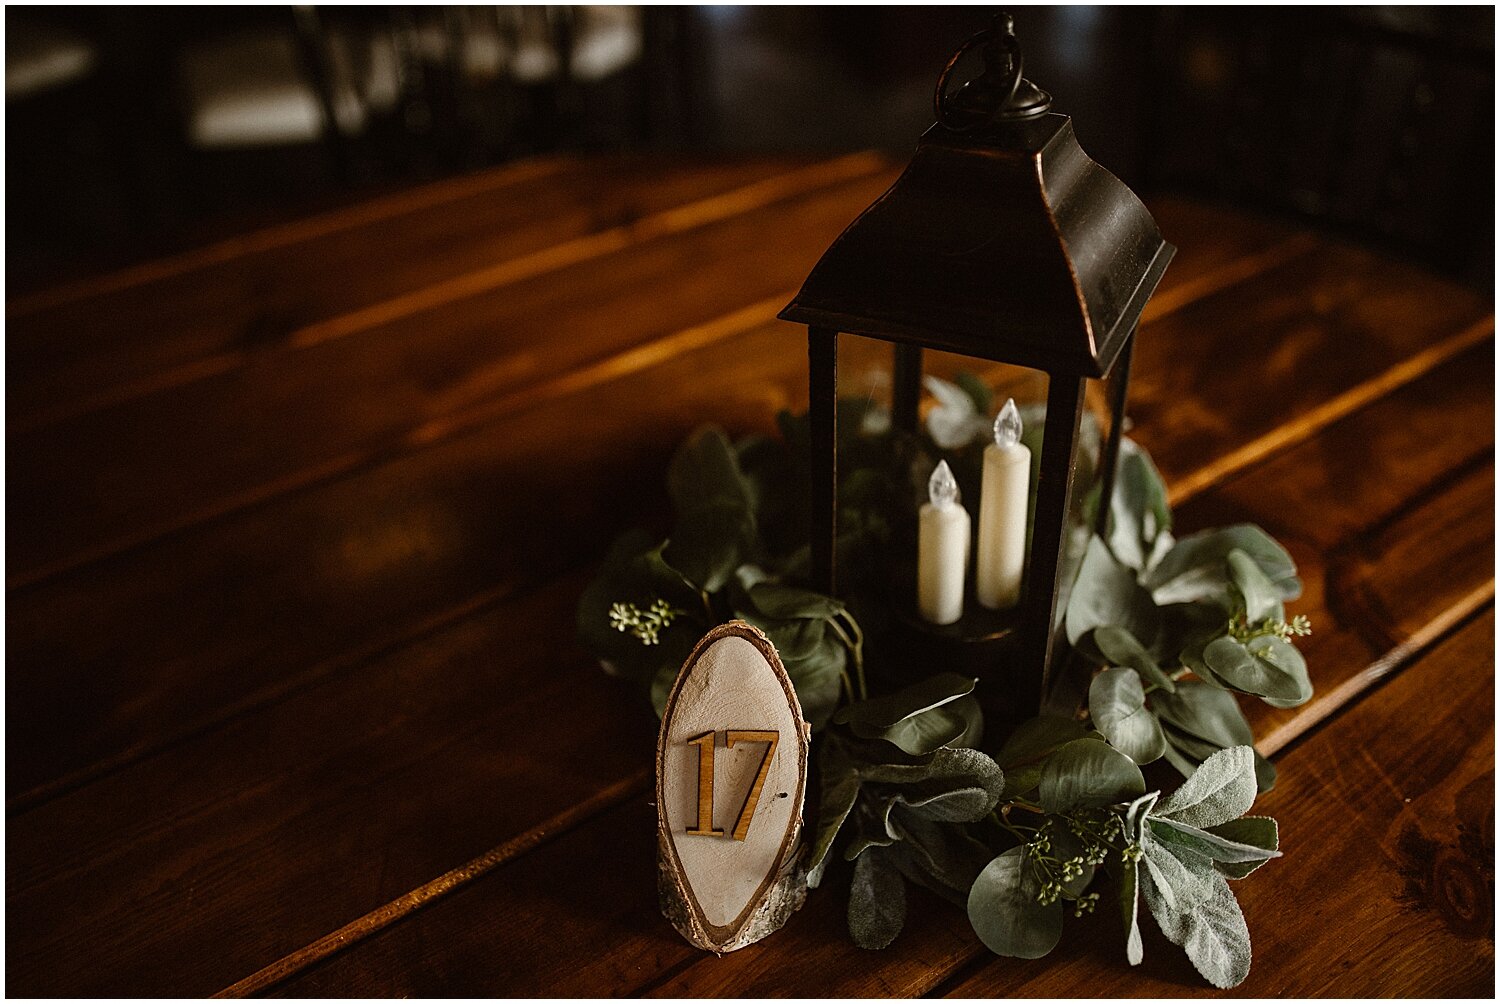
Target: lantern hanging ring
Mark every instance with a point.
(999, 92)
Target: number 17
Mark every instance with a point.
(705, 744)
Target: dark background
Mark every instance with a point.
(1375, 121)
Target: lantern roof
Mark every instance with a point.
(1002, 240)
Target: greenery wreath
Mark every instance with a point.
(1166, 631)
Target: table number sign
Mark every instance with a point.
(731, 768)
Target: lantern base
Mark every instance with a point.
(983, 643)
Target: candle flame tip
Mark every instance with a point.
(1008, 424)
(942, 487)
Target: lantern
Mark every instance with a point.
(1002, 241)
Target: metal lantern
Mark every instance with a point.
(1002, 241)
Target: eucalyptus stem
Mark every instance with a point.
(1009, 827)
(854, 641)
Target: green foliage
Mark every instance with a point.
(1117, 704)
(903, 816)
(1086, 773)
(924, 717)
(1176, 853)
(715, 530)
(1171, 632)
(1006, 909)
(1188, 844)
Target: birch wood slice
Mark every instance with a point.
(731, 768)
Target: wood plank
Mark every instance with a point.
(145, 467)
(235, 301)
(222, 854)
(190, 257)
(422, 814)
(370, 559)
(483, 944)
(1285, 497)
(1306, 331)
(1368, 807)
(281, 420)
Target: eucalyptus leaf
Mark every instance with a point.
(1121, 649)
(782, 602)
(1267, 667)
(1259, 593)
(705, 471)
(715, 510)
(1106, 593)
(1221, 789)
(1117, 704)
(877, 903)
(1195, 568)
(1207, 712)
(923, 717)
(1004, 911)
(1139, 513)
(818, 680)
(1176, 756)
(1289, 660)
(794, 639)
(979, 392)
(883, 712)
(1036, 738)
(959, 722)
(709, 543)
(1088, 772)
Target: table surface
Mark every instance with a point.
(298, 522)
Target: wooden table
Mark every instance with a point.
(298, 522)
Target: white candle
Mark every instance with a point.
(1003, 495)
(942, 550)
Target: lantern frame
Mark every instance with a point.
(1002, 241)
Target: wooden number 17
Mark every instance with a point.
(705, 744)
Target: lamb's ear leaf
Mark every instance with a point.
(1221, 789)
(877, 902)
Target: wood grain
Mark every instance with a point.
(300, 690)
(1387, 820)
(161, 323)
(133, 472)
(476, 952)
(1342, 651)
(363, 557)
(469, 708)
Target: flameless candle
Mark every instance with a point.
(1003, 495)
(942, 549)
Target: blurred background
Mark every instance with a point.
(136, 131)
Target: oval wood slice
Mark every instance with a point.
(731, 768)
